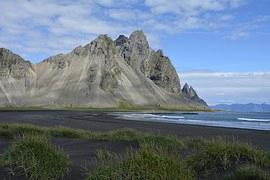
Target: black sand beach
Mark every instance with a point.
(81, 152)
(101, 121)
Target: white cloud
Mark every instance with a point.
(116, 3)
(190, 7)
(239, 35)
(129, 14)
(230, 87)
(122, 14)
(243, 30)
(28, 27)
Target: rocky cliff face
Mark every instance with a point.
(100, 74)
(190, 93)
(153, 64)
(17, 78)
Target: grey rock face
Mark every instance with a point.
(134, 50)
(12, 65)
(154, 65)
(17, 78)
(121, 40)
(185, 90)
(99, 74)
(159, 69)
(190, 93)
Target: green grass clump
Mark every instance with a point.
(152, 156)
(119, 134)
(123, 104)
(14, 130)
(67, 132)
(36, 158)
(144, 165)
(103, 155)
(248, 173)
(214, 157)
(167, 145)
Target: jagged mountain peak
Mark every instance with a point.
(136, 37)
(4, 50)
(122, 39)
(8, 55)
(186, 86)
(139, 38)
(192, 92)
(99, 74)
(13, 67)
(189, 92)
(185, 89)
(103, 38)
(135, 49)
(139, 34)
(160, 52)
(102, 41)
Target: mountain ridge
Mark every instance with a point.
(102, 73)
(250, 107)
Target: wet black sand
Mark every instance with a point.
(82, 152)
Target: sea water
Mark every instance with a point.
(252, 120)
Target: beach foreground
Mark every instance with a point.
(85, 153)
(102, 121)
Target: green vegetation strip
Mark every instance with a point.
(158, 157)
(122, 106)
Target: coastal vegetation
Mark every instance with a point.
(156, 157)
(33, 157)
(123, 106)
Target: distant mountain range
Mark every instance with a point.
(251, 107)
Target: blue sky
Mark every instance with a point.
(202, 36)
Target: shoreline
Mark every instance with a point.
(104, 121)
(113, 109)
(200, 125)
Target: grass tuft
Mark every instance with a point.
(33, 156)
(68, 133)
(144, 165)
(167, 145)
(123, 134)
(103, 155)
(214, 157)
(248, 173)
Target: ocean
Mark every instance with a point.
(251, 120)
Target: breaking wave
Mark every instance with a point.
(256, 120)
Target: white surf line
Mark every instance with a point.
(173, 117)
(251, 119)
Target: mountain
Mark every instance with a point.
(103, 73)
(190, 93)
(251, 107)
